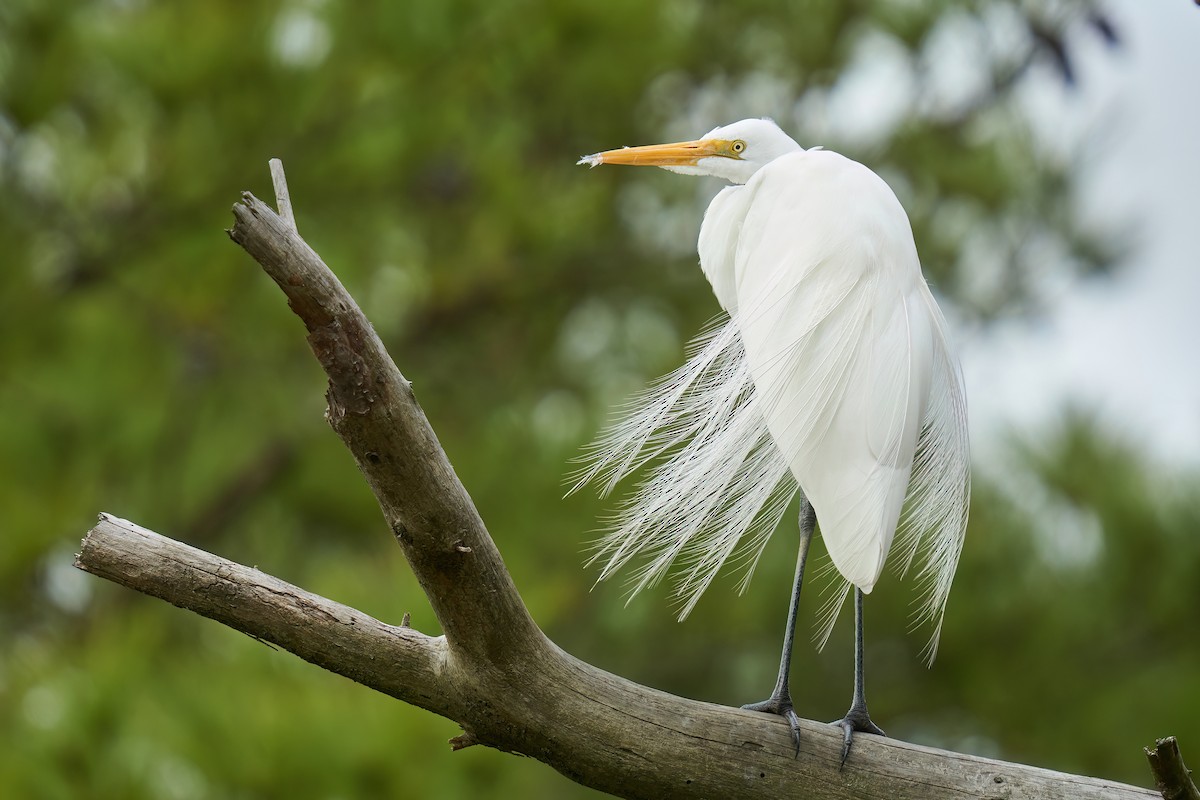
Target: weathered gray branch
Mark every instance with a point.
(283, 198)
(494, 672)
(594, 727)
(328, 634)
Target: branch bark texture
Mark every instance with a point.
(320, 631)
(494, 672)
(1171, 776)
(594, 727)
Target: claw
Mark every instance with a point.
(856, 719)
(794, 722)
(781, 706)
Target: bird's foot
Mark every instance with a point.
(856, 719)
(780, 704)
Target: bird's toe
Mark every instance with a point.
(780, 706)
(856, 721)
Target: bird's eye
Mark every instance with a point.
(739, 146)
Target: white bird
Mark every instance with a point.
(831, 376)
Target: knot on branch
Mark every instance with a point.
(463, 740)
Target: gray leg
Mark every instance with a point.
(857, 718)
(780, 701)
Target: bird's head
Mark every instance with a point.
(733, 152)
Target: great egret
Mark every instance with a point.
(831, 376)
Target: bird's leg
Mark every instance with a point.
(857, 718)
(780, 701)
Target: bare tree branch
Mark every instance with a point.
(372, 407)
(1171, 776)
(283, 198)
(594, 727)
(328, 634)
(495, 672)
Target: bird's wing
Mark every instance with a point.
(838, 344)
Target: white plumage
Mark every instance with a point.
(831, 375)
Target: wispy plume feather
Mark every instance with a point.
(720, 487)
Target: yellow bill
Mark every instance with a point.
(676, 154)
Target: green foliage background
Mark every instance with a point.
(150, 370)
